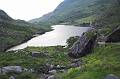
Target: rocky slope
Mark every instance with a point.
(54, 62)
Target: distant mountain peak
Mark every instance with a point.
(4, 16)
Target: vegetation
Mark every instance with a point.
(71, 41)
(56, 55)
(100, 13)
(13, 32)
(103, 61)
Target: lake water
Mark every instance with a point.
(56, 37)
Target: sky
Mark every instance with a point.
(28, 9)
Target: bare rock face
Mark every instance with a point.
(114, 36)
(83, 46)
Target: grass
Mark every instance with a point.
(57, 56)
(89, 19)
(103, 61)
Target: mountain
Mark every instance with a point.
(4, 16)
(13, 32)
(95, 55)
(81, 11)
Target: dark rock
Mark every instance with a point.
(62, 71)
(114, 36)
(75, 60)
(42, 69)
(44, 76)
(58, 67)
(83, 46)
(76, 64)
(39, 54)
(111, 76)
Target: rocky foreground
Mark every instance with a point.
(84, 60)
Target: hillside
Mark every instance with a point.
(103, 61)
(90, 56)
(13, 32)
(82, 11)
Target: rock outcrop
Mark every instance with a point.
(114, 36)
(84, 45)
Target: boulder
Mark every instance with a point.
(15, 69)
(51, 67)
(84, 45)
(114, 36)
(39, 54)
(111, 76)
(76, 64)
(62, 71)
(12, 77)
(53, 72)
(75, 60)
(51, 77)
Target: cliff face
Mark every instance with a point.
(83, 46)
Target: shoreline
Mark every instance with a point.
(24, 41)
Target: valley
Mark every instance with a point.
(69, 51)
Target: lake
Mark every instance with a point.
(53, 38)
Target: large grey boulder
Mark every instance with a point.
(114, 36)
(111, 76)
(8, 69)
(84, 45)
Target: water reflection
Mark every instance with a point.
(56, 37)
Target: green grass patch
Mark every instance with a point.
(103, 61)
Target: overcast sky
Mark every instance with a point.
(28, 9)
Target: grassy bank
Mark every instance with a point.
(103, 61)
(56, 55)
